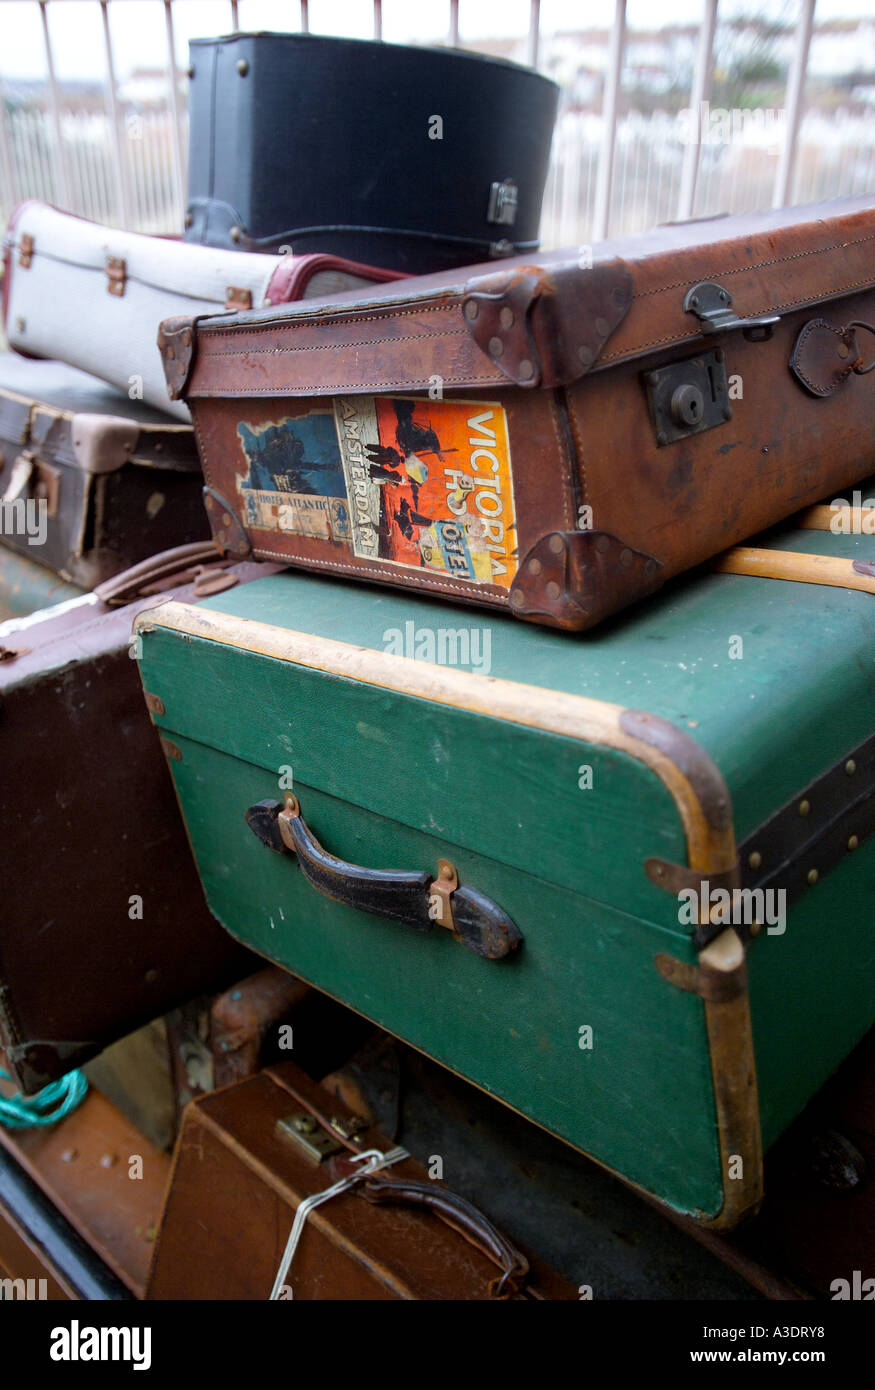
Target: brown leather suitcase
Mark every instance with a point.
(103, 923)
(815, 1228)
(555, 437)
(248, 1156)
(91, 482)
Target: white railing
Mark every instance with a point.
(608, 173)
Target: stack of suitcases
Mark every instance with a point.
(407, 630)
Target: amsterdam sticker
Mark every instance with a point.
(424, 484)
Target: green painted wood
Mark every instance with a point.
(639, 1099)
(510, 792)
(391, 780)
(808, 663)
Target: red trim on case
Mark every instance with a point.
(294, 273)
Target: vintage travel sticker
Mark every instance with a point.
(295, 480)
(419, 483)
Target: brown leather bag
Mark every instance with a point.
(248, 1156)
(103, 923)
(557, 436)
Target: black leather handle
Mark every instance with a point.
(418, 900)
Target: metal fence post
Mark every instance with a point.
(601, 214)
(454, 23)
(534, 32)
(176, 141)
(59, 167)
(118, 161)
(698, 95)
(7, 166)
(795, 89)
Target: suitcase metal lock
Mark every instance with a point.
(688, 397)
(314, 1140)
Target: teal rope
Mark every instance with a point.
(33, 1112)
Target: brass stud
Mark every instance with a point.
(850, 767)
(602, 327)
(535, 566)
(517, 599)
(556, 544)
(242, 67)
(472, 309)
(553, 589)
(496, 347)
(804, 807)
(505, 318)
(755, 859)
(235, 234)
(585, 354)
(853, 842)
(812, 876)
(525, 370)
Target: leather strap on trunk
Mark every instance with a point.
(184, 563)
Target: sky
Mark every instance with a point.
(139, 37)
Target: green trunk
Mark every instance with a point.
(553, 827)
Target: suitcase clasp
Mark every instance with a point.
(712, 305)
(314, 1140)
(117, 275)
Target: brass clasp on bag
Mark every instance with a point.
(117, 275)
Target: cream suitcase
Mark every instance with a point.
(93, 296)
